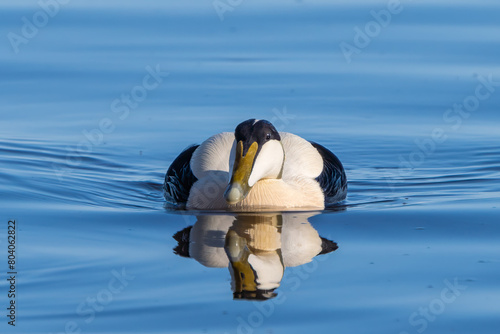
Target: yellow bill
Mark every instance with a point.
(238, 187)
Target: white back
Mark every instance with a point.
(301, 158)
(212, 155)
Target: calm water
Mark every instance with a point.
(99, 98)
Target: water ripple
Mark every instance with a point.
(38, 173)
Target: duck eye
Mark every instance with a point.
(268, 136)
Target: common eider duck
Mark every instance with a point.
(255, 168)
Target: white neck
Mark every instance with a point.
(268, 163)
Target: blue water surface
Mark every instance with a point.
(98, 98)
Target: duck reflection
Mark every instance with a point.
(255, 247)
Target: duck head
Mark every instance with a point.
(257, 154)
